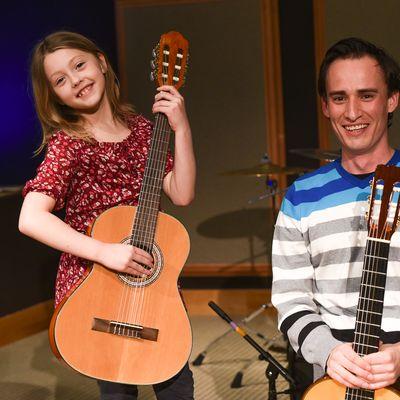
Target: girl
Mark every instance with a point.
(96, 153)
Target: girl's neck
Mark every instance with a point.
(102, 125)
(102, 116)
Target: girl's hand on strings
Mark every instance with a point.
(125, 258)
(169, 102)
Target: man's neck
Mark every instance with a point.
(365, 163)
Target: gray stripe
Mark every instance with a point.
(388, 312)
(329, 286)
(350, 224)
(287, 234)
(339, 256)
(348, 255)
(291, 262)
(285, 309)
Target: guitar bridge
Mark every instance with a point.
(124, 329)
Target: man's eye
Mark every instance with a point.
(338, 99)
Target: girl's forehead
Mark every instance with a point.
(61, 59)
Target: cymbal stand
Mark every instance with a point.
(274, 368)
(237, 379)
(199, 359)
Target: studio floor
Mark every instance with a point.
(29, 371)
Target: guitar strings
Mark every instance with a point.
(140, 296)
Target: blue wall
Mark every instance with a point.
(23, 24)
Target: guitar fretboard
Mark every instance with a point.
(150, 194)
(370, 306)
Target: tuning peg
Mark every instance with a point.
(154, 53)
(152, 77)
(152, 65)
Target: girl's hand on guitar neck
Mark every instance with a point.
(345, 366)
(169, 102)
(385, 365)
(124, 258)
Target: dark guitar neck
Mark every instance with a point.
(150, 194)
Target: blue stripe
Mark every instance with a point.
(298, 211)
(317, 179)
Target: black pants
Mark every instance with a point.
(301, 371)
(179, 387)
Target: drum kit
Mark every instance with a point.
(269, 171)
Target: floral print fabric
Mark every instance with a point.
(87, 178)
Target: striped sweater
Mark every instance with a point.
(317, 260)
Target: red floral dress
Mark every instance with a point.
(87, 178)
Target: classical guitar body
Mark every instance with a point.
(124, 329)
(328, 389)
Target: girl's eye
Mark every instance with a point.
(80, 64)
(59, 81)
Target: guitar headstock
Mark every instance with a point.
(383, 214)
(170, 60)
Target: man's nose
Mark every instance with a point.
(353, 110)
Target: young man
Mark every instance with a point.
(320, 233)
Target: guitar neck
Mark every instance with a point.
(372, 291)
(150, 194)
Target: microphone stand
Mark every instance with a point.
(274, 367)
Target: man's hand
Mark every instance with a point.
(348, 368)
(385, 365)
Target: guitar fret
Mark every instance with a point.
(367, 323)
(369, 312)
(372, 286)
(374, 272)
(381, 258)
(366, 298)
(367, 334)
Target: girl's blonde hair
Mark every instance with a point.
(53, 115)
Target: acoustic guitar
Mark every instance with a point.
(124, 328)
(383, 219)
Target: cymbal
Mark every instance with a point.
(318, 154)
(266, 169)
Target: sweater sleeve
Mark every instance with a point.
(292, 287)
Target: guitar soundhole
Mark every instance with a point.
(139, 281)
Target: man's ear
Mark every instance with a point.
(393, 101)
(324, 106)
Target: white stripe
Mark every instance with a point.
(339, 321)
(288, 248)
(339, 271)
(348, 210)
(280, 298)
(338, 241)
(295, 273)
(342, 300)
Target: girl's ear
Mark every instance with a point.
(103, 64)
